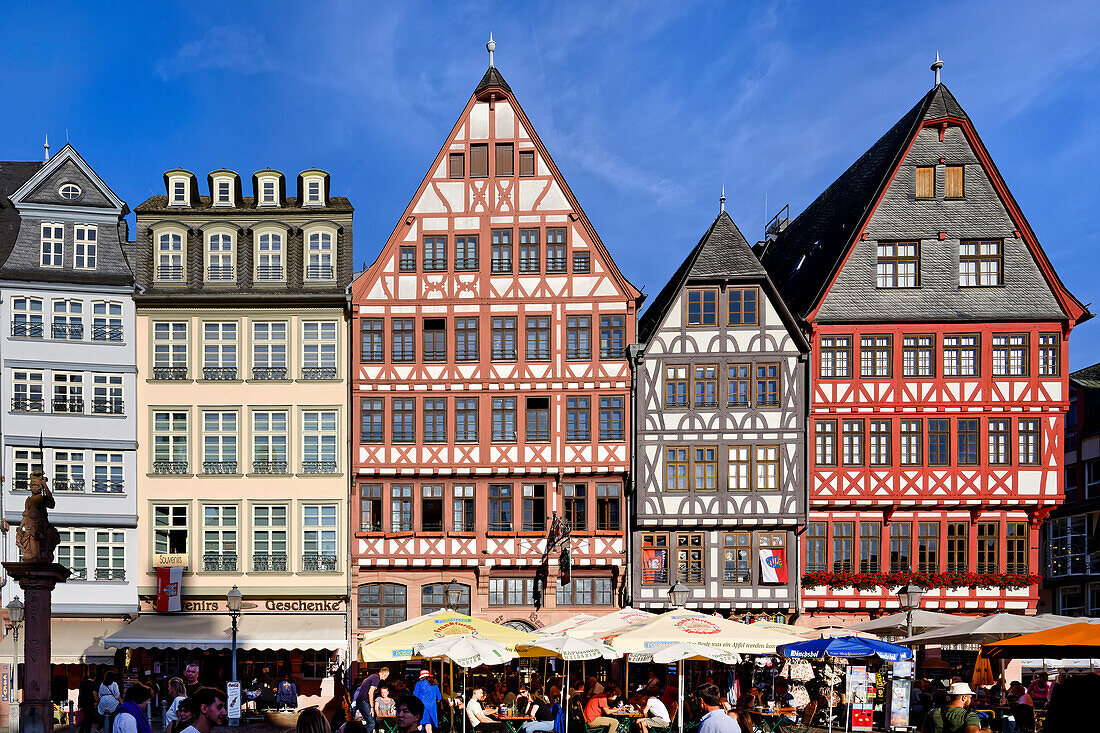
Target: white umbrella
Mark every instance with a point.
(466, 652)
(894, 624)
(988, 628)
(572, 649)
(680, 651)
(563, 626)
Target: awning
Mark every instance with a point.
(75, 640)
(254, 631)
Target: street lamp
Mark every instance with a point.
(15, 616)
(233, 603)
(454, 594)
(678, 595)
(910, 596)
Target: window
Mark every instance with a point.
(431, 508)
(479, 161)
(575, 501)
(219, 258)
(980, 263)
(1000, 442)
(463, 509)
(267, 192)
(28, 391)
(917, 356)
(836, 357)
(578, 337)
(538, 420)
(767, 468)
(939, 438)
(404, 420)
(466, 252)
(269, 350)
(505, 159)
(179, 191)
(911, 448)
(381, 605)
(68, 392)
(689, 558)
(900, 547)
(953, 183)
(435, 254)
(737, 385)
(956, 547)
(582, 262)
(504, 339)
(504, 419)
(926, 182)
(456, 165)
(269, 441)
(611, 418)
(68, 319)
(319, 257)
(704, 468)
(538, 338)
(110, 555)
(585, 592)
(1010, 355)
(702, 307)
(68, 470)
(534, 507)
(106, 321)
(607, 507)
(767, 385)
(72, 552)
(654, 559)
(739, 468)
(1049, 352)
(219, 442)
(170, 257)
(928, 541)
(968, 442)
(407, 259)
(1016, 542)
(53, 243)
(319, 538)
(436, 597)
(1027, 436)
(269, 257)
(843, 541)
(870, 547)
(676, 386)
(219, 538)
(898, 265)
(988, 547)
(511, 591)
(501, 251)
(875, 355)
(527, 162)
(170, 442)
(370, 340)
(26, 317)
(852, 442)
(403, 333)
(555, 250)
(736, 554)
(466, 409)
(612, 337)
(84, 257)
(223, 193)
(529, 250)
(742, 306)
(435, 339)
(960, 356)
(313, 192)
(825, 442)
(370, 508)
(705, 382)
(816, 561)
(500, 507)
(319, 441)
(108, 473)
(578, 419)
(27, 461)
(879, 443)
(372, 414)
(69, 191)
(219, 350)
(170, 350)
(676, 469)
(269, 539)
(435, 420)
(170, 529)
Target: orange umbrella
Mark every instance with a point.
(983, 673)
(1072, 641)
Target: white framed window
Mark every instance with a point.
(960, 355)
(319, 259)
(69, 191)
(219, 538)
(26, 317)
(270, 256)
(318, 537)
(110, 554)
(319, 441)
(219, 442)
(170, 350)
(28, 392)
(170, 266)
(170, 441)
(108, 473)
(1010, 357)
(219, 257)
(319, 350)
(84, 253)
(269, 192)
(314, 195)
(739, 468)
(68, 392)
(68, 320)
(27, 461)
(107, 394)
(180, 191)
(269, 442)
(106, 321)
(72, 552)
(219, 350)
(223, 191)
(269, 538)
(269, 350)
(171, 529)
(53, 245)
(767, 467)
(68, 470)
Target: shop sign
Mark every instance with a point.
(170, 560)
(233, 693)
(5, 682)
(272, 605)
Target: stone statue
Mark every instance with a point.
(36, 537)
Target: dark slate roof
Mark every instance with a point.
(13, 174)
(159, 204)
(1089, 377)
(722, 253)
(805, 255)
(492, 78)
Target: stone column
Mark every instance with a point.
(37, 579)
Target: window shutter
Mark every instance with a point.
(926, 182)
(479, 161)
(505, 158)
(953, 188)
(457, 166)
(527, 163)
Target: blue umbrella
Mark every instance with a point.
(848, 647)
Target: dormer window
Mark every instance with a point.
(270, 256)
(223, 192)
(84, 255)
(180, 192)
(268, 194)
(219, 257)
(313, 192)
(319, 261)
(170, 257)
(53, 245)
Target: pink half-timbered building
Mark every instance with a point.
(492, 388)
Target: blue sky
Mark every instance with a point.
(647, 107)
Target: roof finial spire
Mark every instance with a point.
(46, 145)
(936, 66)
(490, 47)
(722, 200)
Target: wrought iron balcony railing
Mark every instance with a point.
(538, 435)
(68, 484)
(170, 273)
(578, 353)
(269, 372)
(500, 526)
(319, 372)
(269, 467)
(70, 331)
(108, 332)
(78, 573)
(219, 373)
(28, 404)
(219, 562)
(319, 272)
(219, 467)
(71, 404)
(435, 264)
(501, 267)
(26, 330)
(110, 574)
(219, 273)
(164, 467)
(555, 264)
(111, 406)
(612, 352)
(318, 466)
(611, 434)
(107, 487)
(269, 563)
(503, 354)
(269, 273)
(170, 372)
(466, 264)
(317, 563)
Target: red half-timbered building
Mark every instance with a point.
(939, 334)
(492, 388)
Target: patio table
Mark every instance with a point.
(514, 722)
(389, 722)
(774, 720)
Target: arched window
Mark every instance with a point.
(435, 597)
(219, 257)
(26, 317)
(381, 604)
(269, 257)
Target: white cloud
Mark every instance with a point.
(234, 49)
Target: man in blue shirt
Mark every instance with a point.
(716, 719)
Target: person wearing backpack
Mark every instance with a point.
(956, 716)
(108, 699)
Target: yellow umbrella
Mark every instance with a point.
(983, 673)
(398, 645)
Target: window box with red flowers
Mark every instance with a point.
(869, 581)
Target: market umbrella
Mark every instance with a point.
(846, 647)
(988, 628)
(681, 625)
(398, 645)
(616, 620)
(983, 672)
(828, 632)
(894, 624)
(682, 651)
(466, 652)
(569, 649)
(1067, 641)
(563, 626)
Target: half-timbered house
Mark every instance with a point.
(492, 387)
(939, 334)
(719, 457)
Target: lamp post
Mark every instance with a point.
(454, 594)
(233, 603)
(15, 617)
(910, 596)
(678, 594)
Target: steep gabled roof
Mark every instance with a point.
(492, 78)
(13, 174)
(1089, 377)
